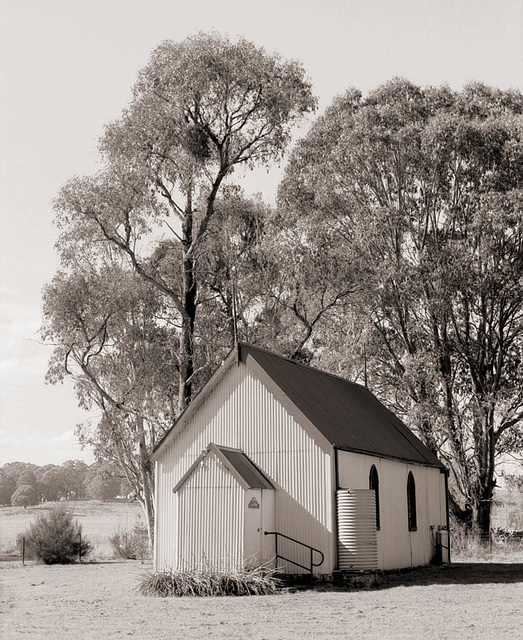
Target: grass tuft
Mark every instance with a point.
(207, 582)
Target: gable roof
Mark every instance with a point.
(347, 414)
(237, 463)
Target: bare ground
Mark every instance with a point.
(94, 601)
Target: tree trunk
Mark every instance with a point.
(481, 517)
(186, 363)
(147, 481)
(186, 351)
(482, 505)
(484, 454)
(462, 516)
(187, 335)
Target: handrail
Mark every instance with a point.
(303, 544)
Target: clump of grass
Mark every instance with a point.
(207, 582)
(469, 545)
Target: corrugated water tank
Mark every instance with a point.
(357, 536)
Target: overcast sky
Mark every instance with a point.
(67, 67)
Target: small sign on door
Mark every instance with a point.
(254, 504)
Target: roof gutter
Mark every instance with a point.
(385, 456)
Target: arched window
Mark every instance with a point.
(374, 483)
(411, 502)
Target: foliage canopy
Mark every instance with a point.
(130, 311)
(425, 190)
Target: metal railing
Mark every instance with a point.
(277, 556)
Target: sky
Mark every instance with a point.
(67, 68)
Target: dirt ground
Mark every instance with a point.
(95, 601)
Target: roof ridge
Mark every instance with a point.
(301, 364)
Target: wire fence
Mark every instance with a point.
(482, 544)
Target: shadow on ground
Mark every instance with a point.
(455, 573)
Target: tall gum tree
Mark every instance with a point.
(200, 109)
(425, 189)
(112, 335)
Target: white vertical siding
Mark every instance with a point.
(241, 412)
(210, 518)
(156, 475)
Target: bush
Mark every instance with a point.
(201, 582)
(508, 541)
(131, 545)
(54, 538)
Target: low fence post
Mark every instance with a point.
(23, 551)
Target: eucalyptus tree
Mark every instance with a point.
(113, 335)
(424, 188)
(200, 109)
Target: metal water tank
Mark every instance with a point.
(357, 535)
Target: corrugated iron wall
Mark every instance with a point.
(241, 412)
(211, 518)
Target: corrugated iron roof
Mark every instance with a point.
(246, 468)
(347, 414)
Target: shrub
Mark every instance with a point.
(131, 545)
(469, 544)
(24, 496)
(202, 582)
(55, 538)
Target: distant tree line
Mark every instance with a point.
(25, 484)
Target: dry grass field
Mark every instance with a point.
(99, 521)
(93, 601)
